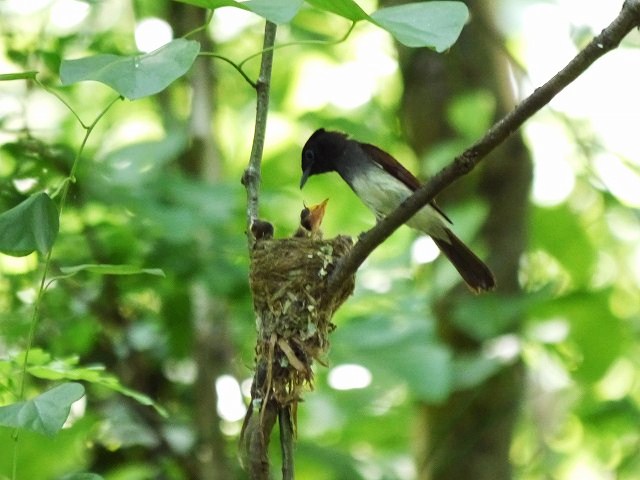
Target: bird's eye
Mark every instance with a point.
(309, 155)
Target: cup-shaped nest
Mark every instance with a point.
(293, 308)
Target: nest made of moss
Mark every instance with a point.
(293, 308)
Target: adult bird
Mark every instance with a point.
(382, 183)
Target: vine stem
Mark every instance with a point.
(324, 43)
(63, 198)
(47, 263)
(202, 27)
(606, 41)
(239, 66)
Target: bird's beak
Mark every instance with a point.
(316, 215)
(305, 176)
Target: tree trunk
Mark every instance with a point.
(212, 350)
(469, 435)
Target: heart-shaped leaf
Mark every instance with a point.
(435, 25)
(134, 76)
(345, 8)
(45, 413)
(276, 11)
(29, 226)
(95, 374)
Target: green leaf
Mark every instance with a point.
(132, 165)
(45, 413)
(104, 269)
(66, 370)
(141, 398)
(37, 356)
(345, 8)
(31, 75)
(95, 374)
(570, 245)
(471, 113)
(471, 370)
(276, 11)
(425, 368)
(435, 25)
(32, 225)
(397, 351)
(595, 332)
(134, 76)
(489, 316)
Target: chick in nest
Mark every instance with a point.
(310, 221)
(261, 230)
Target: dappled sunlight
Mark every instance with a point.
(505, 348)
(350, 83)
(67, 15)
(18, 265)
(136, 128)
(151, 33)
(349, 376)
(343, 85)
(231, 405)
(584, 467)
(554, 176)
(20, 7)
(619, 381)
(548, 45)
(552, 330)
(44, 114)
(377, 280)
(424, 250)
(181, 371)
(620, 178)
(228, 23)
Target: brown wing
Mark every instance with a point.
(391, 165)
(395, 168)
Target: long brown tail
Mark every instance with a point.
(473, 271)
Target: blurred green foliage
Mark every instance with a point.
(133, 339)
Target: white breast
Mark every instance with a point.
(382, 193)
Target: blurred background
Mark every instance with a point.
(537, 380)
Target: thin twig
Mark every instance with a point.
(251, 176)
(324, 43)
(607, 40)
(202, 27)
(233, 64)
(272, 48)
(47, 263)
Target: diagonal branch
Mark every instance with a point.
(607, 40)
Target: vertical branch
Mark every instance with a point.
(254, 438)
(287, 436)
(251, 176)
